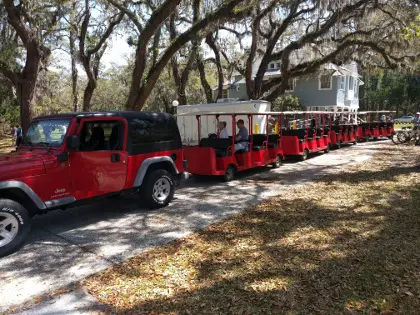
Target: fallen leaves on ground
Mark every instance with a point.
(347, 243)
(6, 145)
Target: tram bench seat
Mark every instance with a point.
(259, 139)
(336, 128)
(219, 145)
(273, 141)
(364, 126)
(300, 133)
(315, 133)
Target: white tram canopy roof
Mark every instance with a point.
(261, 114)
(378, 112)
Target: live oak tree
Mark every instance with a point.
(34, 24)
(304, 35)
(73, 22)
(93, 35)
(188, 54)
(149, 65)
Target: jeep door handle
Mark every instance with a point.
(115, 158)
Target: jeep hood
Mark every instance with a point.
(22, 164)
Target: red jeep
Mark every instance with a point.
(71, 159)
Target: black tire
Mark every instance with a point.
(159, 189)
(229, 173)
(278, 162)
(18, 216)
(327, 150)
(394, 138)
(403, 137)
(305, 155)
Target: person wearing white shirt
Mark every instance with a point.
(221, 127)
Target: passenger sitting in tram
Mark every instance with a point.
(221, 130)
(337, 120)
(383, 119)
(351, 119)
(241, 137)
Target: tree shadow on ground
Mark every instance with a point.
(310, 259)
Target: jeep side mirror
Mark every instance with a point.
(72, 143)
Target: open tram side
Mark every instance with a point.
(216, 156)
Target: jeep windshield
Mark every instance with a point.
(46, 132)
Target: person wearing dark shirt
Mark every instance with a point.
(18, 135)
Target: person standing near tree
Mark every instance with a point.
(18, 135)
(416, 121)
(13, 131)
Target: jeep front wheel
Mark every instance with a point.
(159, 189)
(15, 224)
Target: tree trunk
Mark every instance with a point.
(74, 73)
(206, 86)
(87, 95)
(210, 41)
(136, 79)
(26, 93)
(28, 80)
(182, 96)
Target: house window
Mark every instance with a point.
(271, 65)
(351, 83)
(278, 65)
(325, 82)
(291, 85)
(342, 83)
(224, 93)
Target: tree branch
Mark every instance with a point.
(196, 31)
(16, 21)
(129, 14)
(11, 75)
(106, 34)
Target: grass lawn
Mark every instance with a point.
(343, 244)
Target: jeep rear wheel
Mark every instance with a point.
(15, 224)
(159, 189)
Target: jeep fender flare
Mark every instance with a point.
(147, 163)
(25, 189)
